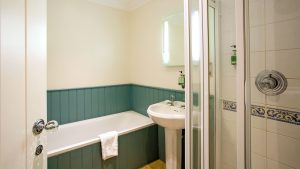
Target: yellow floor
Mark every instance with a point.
(158, 164)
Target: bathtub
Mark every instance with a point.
(83, 133)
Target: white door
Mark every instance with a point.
(22, 83)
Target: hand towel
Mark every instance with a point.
(109, 144)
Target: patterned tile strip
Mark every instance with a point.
(258, 111)
(229, 105)
(282, 115)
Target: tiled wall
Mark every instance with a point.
(274, 44)
(135, 150)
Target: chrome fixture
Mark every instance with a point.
(271, 82)
(39, 150)
(39, 126)
(172, 98)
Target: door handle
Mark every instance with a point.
(40, 125)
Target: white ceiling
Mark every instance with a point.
(127, 5)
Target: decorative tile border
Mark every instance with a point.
(282, 115)
(258, 111)
(229, 105)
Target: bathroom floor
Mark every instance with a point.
(158, 164)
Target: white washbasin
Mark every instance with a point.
(167, 115)
(172, 118)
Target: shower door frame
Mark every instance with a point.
(242, 117)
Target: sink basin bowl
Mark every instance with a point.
(172, 118)
(167, 115)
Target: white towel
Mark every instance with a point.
(109, 144)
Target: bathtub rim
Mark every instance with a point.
(97, 139)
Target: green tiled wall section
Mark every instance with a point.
(135, 150)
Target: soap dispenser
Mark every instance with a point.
(181, 80)
(233, 56)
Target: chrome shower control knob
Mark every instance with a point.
(271, 82)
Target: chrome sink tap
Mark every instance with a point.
(172, 99)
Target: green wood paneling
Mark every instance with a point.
(73, 105)
(80, 105)
(135, 150)
(64, 107)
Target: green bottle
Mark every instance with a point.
(181, 80)
(233, 56)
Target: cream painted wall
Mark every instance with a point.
(146, 44)
(86, 44)
(93, 45)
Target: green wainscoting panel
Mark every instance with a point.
(143, 96)
(73, 105)
(135, 150)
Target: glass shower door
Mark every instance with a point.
(193, 94)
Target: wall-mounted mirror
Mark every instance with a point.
(173, 39)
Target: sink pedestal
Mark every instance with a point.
(173, 148)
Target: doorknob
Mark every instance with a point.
(39, 126)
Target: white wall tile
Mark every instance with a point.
(257, 97)
(284, 61)
(283, 35)
(229, 131)
(227, 68)
(258, 122)
(257, 39)
(227, 40)
(257, 12)
(290, 98)
(284, 149)
(276, 165)
(280, 10)
(228, 153)
(258, 141)
(257, 63)
(228, 115)
(229, 88)
(258, 162)
(227, 166)
(282, 128)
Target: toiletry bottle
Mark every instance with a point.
(233, 56)
(181, 80)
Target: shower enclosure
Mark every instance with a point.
(243, 95)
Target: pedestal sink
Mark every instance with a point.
(171, 116)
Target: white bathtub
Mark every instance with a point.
(79, 134)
